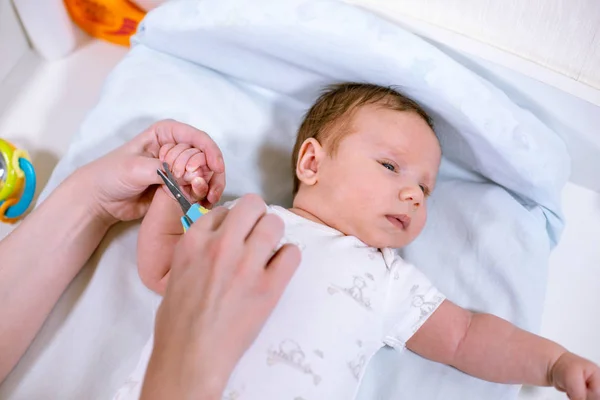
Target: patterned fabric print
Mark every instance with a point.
(331, 319)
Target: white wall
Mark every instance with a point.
(13, 43)
(544, 37)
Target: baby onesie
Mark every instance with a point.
(345, 301)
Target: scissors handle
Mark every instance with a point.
(195, 212)
(191, 212)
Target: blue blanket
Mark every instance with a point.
(246, 71)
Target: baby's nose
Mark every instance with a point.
(413, 195)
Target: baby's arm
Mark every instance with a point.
(159, 233)
(493, 349)
(161, 227)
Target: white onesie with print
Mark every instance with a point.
(345, 301)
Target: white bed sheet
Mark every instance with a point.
(93, 337)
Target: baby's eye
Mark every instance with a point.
(388, 166)
(425, 190)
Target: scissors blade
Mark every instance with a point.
(174, 188)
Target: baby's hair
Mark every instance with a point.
(335, 107)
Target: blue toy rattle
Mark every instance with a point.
(17, 182)
(191, 212)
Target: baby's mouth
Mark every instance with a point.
(401, 221)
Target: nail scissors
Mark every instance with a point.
(191, 212)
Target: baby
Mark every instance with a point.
(366, 158)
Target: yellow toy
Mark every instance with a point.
(111, 20)
(17, 182)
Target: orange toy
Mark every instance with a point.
(111, 20)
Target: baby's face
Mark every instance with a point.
(375, 185)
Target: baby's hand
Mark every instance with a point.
(577, 377)
(190, 168)
(161, 227)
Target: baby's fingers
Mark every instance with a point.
(198, 160)
(172, 153)
(163, 150)
(180, 166)
(593, 385)
(199, 189)
(574, 384)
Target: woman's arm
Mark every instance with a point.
(39, 259)
(161, 228)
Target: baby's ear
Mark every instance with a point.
(309, 158)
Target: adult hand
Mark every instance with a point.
(225, 281)
(67, 227)
(121, 180)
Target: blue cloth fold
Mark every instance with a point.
(246, 71)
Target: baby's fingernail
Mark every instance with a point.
(191, 168)
(197, 181)
(214, 195)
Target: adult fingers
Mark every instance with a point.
(168, 131)
(140, 172)
(281, 269)
(243, 217)
(217, 185)
(263, 240)
(211, 221)
(172, 131)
